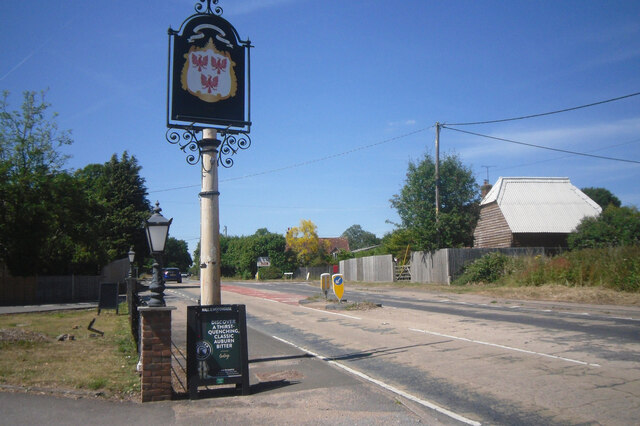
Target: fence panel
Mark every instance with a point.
(368, 269)
(445, 265)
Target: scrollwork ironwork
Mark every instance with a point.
(209, 10)
(230, 145)
(187, 141)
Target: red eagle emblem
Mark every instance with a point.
(219, 64)
(208, 82)
(201, 61)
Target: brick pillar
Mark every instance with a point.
(155, 353)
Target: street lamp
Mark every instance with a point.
(132, 257)
(157, 229)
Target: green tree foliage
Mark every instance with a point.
(37, 199)
(119, 206)
(616, 226)
(359, 238)
(459, 198)
(602, 196)
(399, 243)
(239, 255)
(176, 254)
(52, 222)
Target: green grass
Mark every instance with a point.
(33, 357)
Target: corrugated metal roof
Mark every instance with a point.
(541, 204)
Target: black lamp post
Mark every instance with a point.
(157, 229)
(132, 258)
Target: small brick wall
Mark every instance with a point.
(156, 353)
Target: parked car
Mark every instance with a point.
(172, 274)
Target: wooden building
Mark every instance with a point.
(531, 212)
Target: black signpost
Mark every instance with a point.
(217, 347)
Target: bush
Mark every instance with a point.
(488, 269)
(270, 273)
(616, 226)
(617, 268)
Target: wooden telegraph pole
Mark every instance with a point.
(437, 170)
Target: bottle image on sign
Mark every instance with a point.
(209, 73)
(338, 285)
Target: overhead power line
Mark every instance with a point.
(305, 163)
(542, 146)
(546, 113)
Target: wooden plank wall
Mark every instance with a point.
(445, 265)
(492, 229)
(368, 269)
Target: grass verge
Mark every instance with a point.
(32, 356)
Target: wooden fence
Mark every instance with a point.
(368, 269)
(58, 289)
(445, 265)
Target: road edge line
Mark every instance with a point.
(386, 386)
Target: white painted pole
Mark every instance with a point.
(209, 221)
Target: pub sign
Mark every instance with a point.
(217, 351)
(208, 75)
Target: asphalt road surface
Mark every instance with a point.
(473, 359)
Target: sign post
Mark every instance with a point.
(338, 286)
(208, 91)
(208, 117)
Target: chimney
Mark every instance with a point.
(485, 188)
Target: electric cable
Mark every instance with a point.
(546, 113)
(542, 146)
(305, 163)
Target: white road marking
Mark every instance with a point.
(386, 386)
(332, 313)
(505, 347)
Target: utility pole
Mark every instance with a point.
(437, 170)
(209, 221)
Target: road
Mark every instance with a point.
(478, 360)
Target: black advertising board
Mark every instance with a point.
(208, 69)
(217, 347)
(108, 297)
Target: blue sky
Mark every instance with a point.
(362, 81)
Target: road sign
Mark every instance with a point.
(338, 285)
(325, 283)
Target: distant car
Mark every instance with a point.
(172, 274)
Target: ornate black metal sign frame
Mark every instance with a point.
(217, 347)
(209, 70)
(209, 85)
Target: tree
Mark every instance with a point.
(304, 242)
(602, 196)
(616, 226)
(239, 255)
(399, 243)
(33, 210)
(118, 206)
(176, 254)
(359, 238)
(459, 199)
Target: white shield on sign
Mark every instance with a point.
(209, 74)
